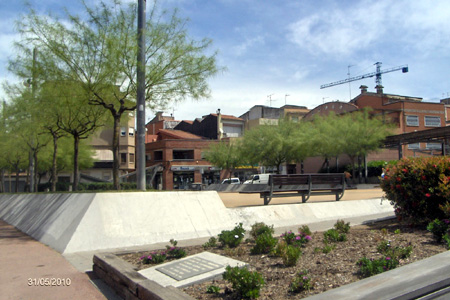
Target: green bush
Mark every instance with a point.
(247, 284)
(419, 188)
(212, 242)
(288, 253)
(265, 243)
(260, 228)
(301, 282)
(439, 228)
(332, 235)
(232, 238)
(370, 267)
(304, 230)
(342, 227)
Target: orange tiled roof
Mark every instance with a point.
(179, 134)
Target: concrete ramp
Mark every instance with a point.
(80, 222)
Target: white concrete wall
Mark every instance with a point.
(88, 222)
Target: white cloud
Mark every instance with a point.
(242, 48)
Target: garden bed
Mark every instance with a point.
(326, 270)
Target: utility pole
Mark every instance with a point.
(285, 96)
(349, 86)
(33, 94)
(140, 101)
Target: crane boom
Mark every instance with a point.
(377, 73)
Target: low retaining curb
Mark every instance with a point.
(128, 283)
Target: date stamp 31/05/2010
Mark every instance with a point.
(49, 281)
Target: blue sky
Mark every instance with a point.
(281, 48)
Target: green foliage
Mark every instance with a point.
(297, 240)
(260, 228)
(175, 252)
(154, 258)
(385, 248)
(232, 238)
(301, 282)
(288, 253)
(265, 243)
(419, 188)
(213, 289)
(332, 235)
(304, 230)
(439, 228)
(446, 238)
(212, 242)
(327, 248)
(370, 267)
(247, 284)
(225, 155)
(341, 226)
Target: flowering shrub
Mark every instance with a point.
(370, 267)
(419, 188)
(232, 238)
(264, 243)
(174, 251)
(305, 230)
(396, 252)
(301, 282)
(247, 284)
(297, 240)
(154, 258)
(288, 253)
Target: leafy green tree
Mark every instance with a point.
(100, 50)
(225, 154)
(272, 145)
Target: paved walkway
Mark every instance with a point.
(25, 264)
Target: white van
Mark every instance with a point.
(231, 181)
(258, 179)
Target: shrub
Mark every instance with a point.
(439, 228)
(213, 289)
(304, 230)
(342, 227)
(247, 284)
(396, 252)
(212, 242)
(419, 188)
(260, 228)
(265, 243)
(301, 282)
(332, 235)
(297, 240)
(370, 267)
(232, 238)
(174, 251)
(154, 258)
(446, 238)
(288, 253)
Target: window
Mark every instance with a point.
(431, 121)
(414, 146)
(131, 158)
(130, 131)
(183, 154)
(158, 155)
(123, 158)
(122, 131)
(435, 146)
(412, 121)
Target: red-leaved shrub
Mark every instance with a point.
(419, 188)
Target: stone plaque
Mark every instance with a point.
(190, 267)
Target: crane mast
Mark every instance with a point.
(377, 75)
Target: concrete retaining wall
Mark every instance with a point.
(80, 222)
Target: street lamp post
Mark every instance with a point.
(140, 147)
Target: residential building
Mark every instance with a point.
(266, 115)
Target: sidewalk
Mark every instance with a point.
(26, 263)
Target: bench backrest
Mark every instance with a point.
(332, 179)
(290, 179)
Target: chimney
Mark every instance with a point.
(379, 89)
(363, 89)
(159, 115)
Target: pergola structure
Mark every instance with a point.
(436, 135)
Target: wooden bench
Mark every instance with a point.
(303, 185)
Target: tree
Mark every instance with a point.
(225, 154)
(272, 145)
(100, 53)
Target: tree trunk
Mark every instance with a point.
(75, 162)
(54, 166)
(115, 150)
(35, 175)
(17, 178)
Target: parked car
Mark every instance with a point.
(231, 181)
(258, 179)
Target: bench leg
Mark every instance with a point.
(304, 199)
(266, 200)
